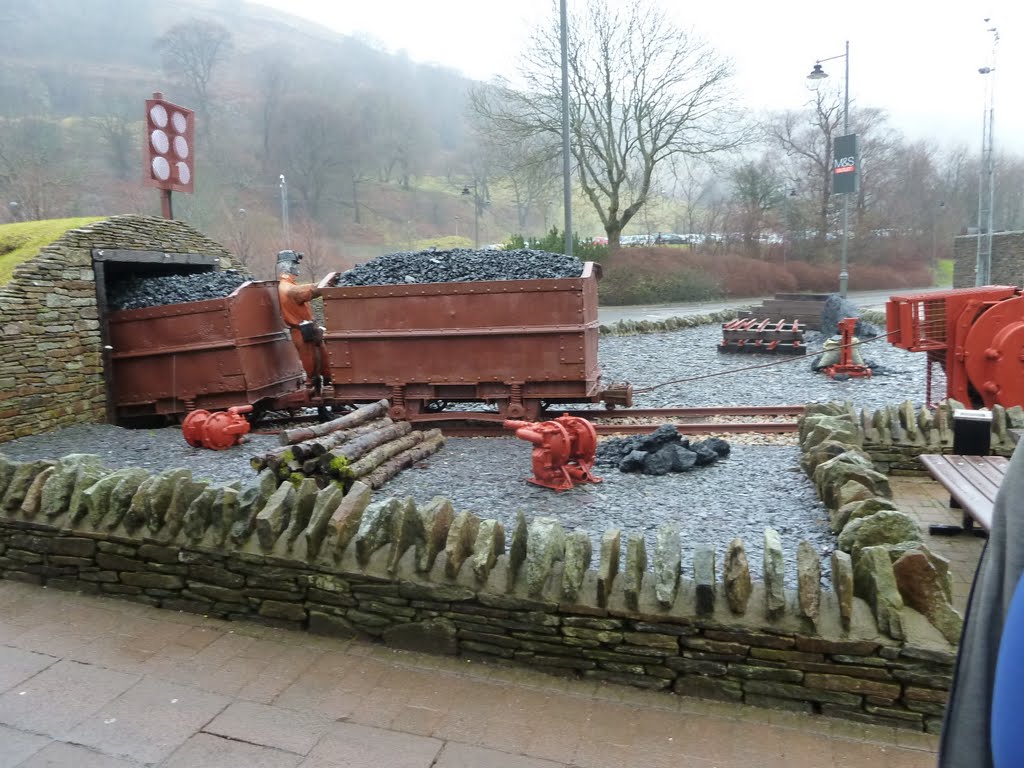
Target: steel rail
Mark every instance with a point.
(484, 429)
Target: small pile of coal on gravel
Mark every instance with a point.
(137, 292)
(461, 265)
(837, 308)
(660, 452)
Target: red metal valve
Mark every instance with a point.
(219, 430)
(563, 450)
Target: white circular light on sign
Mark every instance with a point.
(180, 123)
(180, 147)
(184, 174)
(161, 168)
(158, 115)
(160, 141)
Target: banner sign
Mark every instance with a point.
(845, 161)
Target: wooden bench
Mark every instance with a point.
(972, 481)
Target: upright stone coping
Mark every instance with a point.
(895, 436)
(51, 361)
(872, 533)
(427, 577)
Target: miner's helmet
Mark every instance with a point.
(288, 262)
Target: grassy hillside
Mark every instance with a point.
(20, 242)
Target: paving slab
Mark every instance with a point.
(61, 696)
(17, 665)
(462, 756)
(278, 727)
(348, 745)
(149, 721)
(61, 755)
(205, 750)
(16, 746)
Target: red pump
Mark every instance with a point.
(219, 430)
(563, 451)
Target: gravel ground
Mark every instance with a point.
(649, 359)
(758, 485)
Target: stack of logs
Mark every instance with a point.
(362, 445)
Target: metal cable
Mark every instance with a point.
(755, 367)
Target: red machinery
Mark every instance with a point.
(976, 334)
(846, 365)
(219, 430)
(563, 451)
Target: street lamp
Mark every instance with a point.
(819, 74)
(476, 213)
(788, 236)
(284, 212)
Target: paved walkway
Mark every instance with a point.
(89, 682)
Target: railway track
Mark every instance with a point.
(635, 421)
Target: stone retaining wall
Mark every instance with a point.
(635, 327)
(429, 578)
(1007, 267)
(51, 369)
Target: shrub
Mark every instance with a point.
(554, 242)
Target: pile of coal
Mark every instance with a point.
(461, 265)
(837, 308)
(660, 452)
(138, 292)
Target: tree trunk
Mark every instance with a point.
(405, 459)
(336, 463)
(311, 449)
(357, 417)
(382, 453)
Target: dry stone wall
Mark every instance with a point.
(879, 555)
(51, 369)
(428, 577)
(895, 436)
(1007, 266)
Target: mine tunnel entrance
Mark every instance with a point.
(112, 268)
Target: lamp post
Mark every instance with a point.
(566, 163)
(986, 182)
(819, 74)
(284, 212)
(787, 239)
(476, 213)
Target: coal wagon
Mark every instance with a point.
(516, 345)
(213, 354)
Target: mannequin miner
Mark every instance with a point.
(298, 315)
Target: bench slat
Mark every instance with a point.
(976, 478)
(992, 467)
(972, 480)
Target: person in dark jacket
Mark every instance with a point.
(984, 724)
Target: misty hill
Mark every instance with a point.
(374, 147)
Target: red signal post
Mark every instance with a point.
(170, 149)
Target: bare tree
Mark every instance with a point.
(121, 136)
(809, 146)
(640, 90)
(191, 51)
(272, 87)
(313, 145)
(756, 193)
